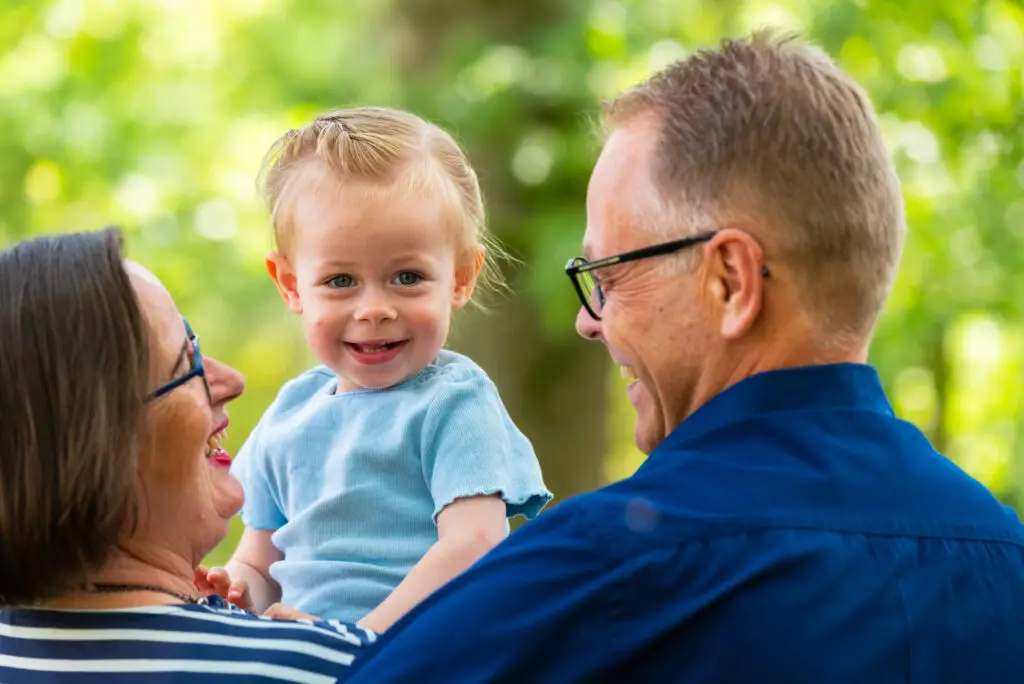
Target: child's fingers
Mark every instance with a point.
(238, 594)
(199, 579)
(279, 611)
(219, 580)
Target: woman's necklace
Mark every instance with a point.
(115, 588)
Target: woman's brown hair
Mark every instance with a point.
(74, 360)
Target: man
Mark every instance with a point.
(744, 226)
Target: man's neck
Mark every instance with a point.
(790, 347)
(793, 354)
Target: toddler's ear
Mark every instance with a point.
(466, 274)
(284, 277)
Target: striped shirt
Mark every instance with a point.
(197, 644)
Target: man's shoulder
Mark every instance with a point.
(604, 526)
(828, 469)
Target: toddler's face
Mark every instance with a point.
(375, 281)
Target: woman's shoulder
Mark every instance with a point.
(213, 608)
(194, 640)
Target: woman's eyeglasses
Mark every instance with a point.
(197, 369)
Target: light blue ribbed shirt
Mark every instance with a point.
(352, 482)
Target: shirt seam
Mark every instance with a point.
(651, 546)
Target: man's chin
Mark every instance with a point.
(637, 395)
(647, 433)
(646, 442)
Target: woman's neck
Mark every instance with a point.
(132, 579)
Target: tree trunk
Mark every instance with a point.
(940, 371)
(555, 392)
(554, 388)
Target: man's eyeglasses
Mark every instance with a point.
(589, 290)
(590, 293)
(197, 369)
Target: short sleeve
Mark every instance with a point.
(471, 447)
(262, 509)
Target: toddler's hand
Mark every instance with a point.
(279, 611)
(217, 581)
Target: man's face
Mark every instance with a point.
(655, 321)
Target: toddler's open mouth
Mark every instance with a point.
(375, 346)
(376, 351)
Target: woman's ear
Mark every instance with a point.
(284, 277)
(466, 273)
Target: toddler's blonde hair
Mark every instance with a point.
(380, 150)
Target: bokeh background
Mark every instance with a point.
(155, 114)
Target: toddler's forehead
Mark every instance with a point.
(362, 212)
(373, 228)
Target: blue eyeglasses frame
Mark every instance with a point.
(197, 369)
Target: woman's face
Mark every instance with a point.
(189, 494)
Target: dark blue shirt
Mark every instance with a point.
(791, 530)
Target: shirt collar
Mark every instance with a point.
(834, 386)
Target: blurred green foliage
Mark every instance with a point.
(154, 114)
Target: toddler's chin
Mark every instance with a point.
(350, 380)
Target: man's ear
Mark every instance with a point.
(736, 263)
(284, 277)
(466, 274)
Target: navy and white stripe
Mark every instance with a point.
(170, 644)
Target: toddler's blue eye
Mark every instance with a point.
(341, 281)
(407, 278)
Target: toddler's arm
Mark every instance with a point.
(251, 564)
(467, 529)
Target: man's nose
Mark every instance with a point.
(586, 326)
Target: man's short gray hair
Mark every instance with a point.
(771, 132)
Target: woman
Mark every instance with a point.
(114, 486)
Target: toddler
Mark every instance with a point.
(378, 476)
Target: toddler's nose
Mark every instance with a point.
(376, 311)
